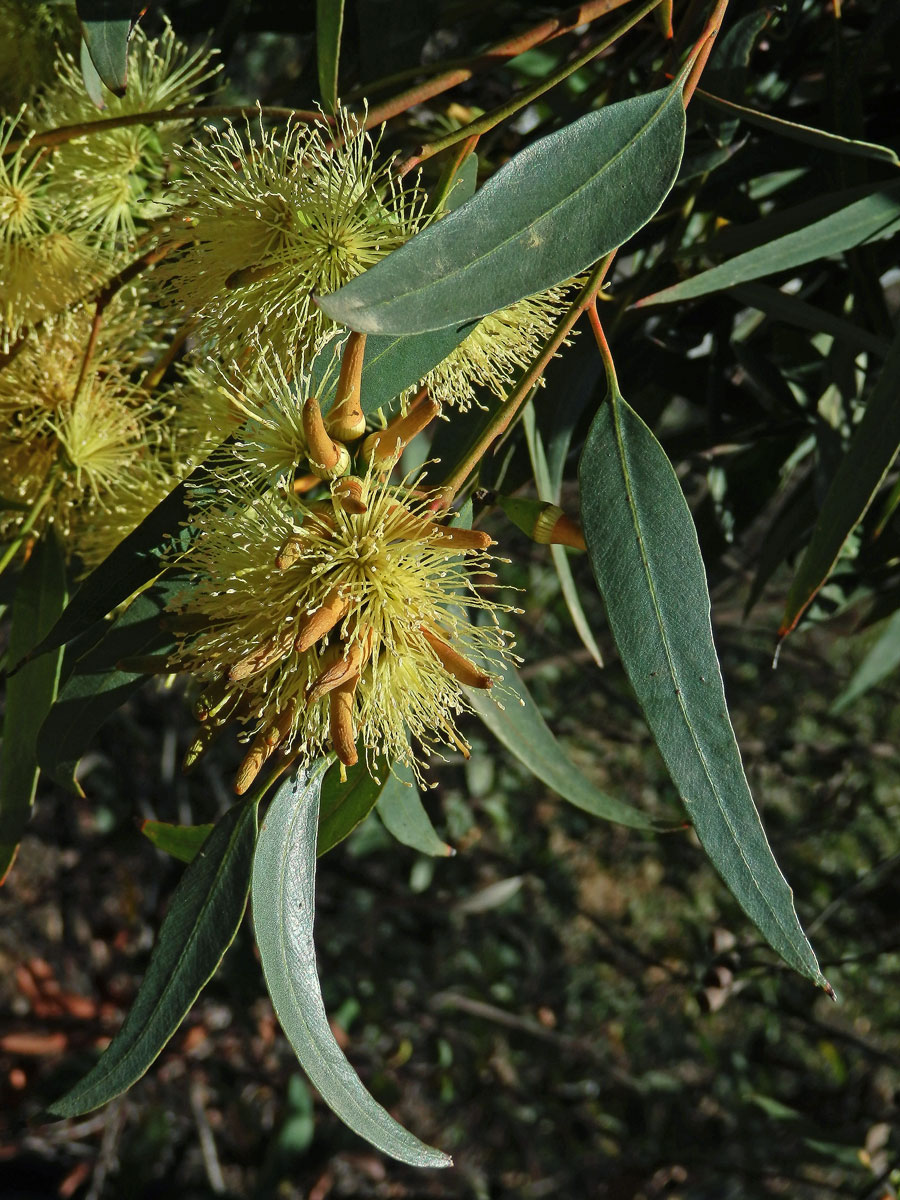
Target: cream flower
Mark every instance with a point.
(339, 624)
(113, 178)
(278, 219)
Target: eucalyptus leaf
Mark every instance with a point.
(284, 872)
(203, 918)
(519, 726)
(552, 210)
(181, 841)
(875, 215)
(643, 548)
(106, 27)
(403, 815)
(329, 23)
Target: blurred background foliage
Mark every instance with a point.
(568, 1007)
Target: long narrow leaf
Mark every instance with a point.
(646, 559)
(874, 216)
(872, 449)
(558, 206)
(200, 925)
(284, 874)
(403, 815)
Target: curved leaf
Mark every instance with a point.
(882, 660)
(552, 210)
(284, 872)
(872, 449)
(200, 925)
(874, 216)
(40, 597)
(647, 563)
(519, 726)
(404, 817)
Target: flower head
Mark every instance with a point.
(501, 344)
(278, 219)
(45, 262)
(338, 624)
(111, 178)
(69, 437)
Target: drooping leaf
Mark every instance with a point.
(181, 841)
(201, 923)
(876, 215)
(96, 687)
(106, 26)
(284, 870)
(519, 726)
(39, 599)
(872, 449)
(552, 210)
(329, 23)
(646, 559)
(403, 815)
(344, 805)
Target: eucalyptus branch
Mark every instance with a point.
(159, 116)
(507, 412)
(489, 120)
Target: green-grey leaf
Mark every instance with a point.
(819, 138)
(519, 726)
(329, 23)
(344, 805)
(646, 559)
(404, 817)
(106, 25)
(874, 216)
(201, 923)
(181, 841)
(39, 599)
(872, 449)
(284, 872)
(552, 210)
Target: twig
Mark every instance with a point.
(505, 415)
(115, 1120)
(157, 116)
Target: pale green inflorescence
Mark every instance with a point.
(113, 180)
(46, 261)
(276, 219)
(372, 592)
